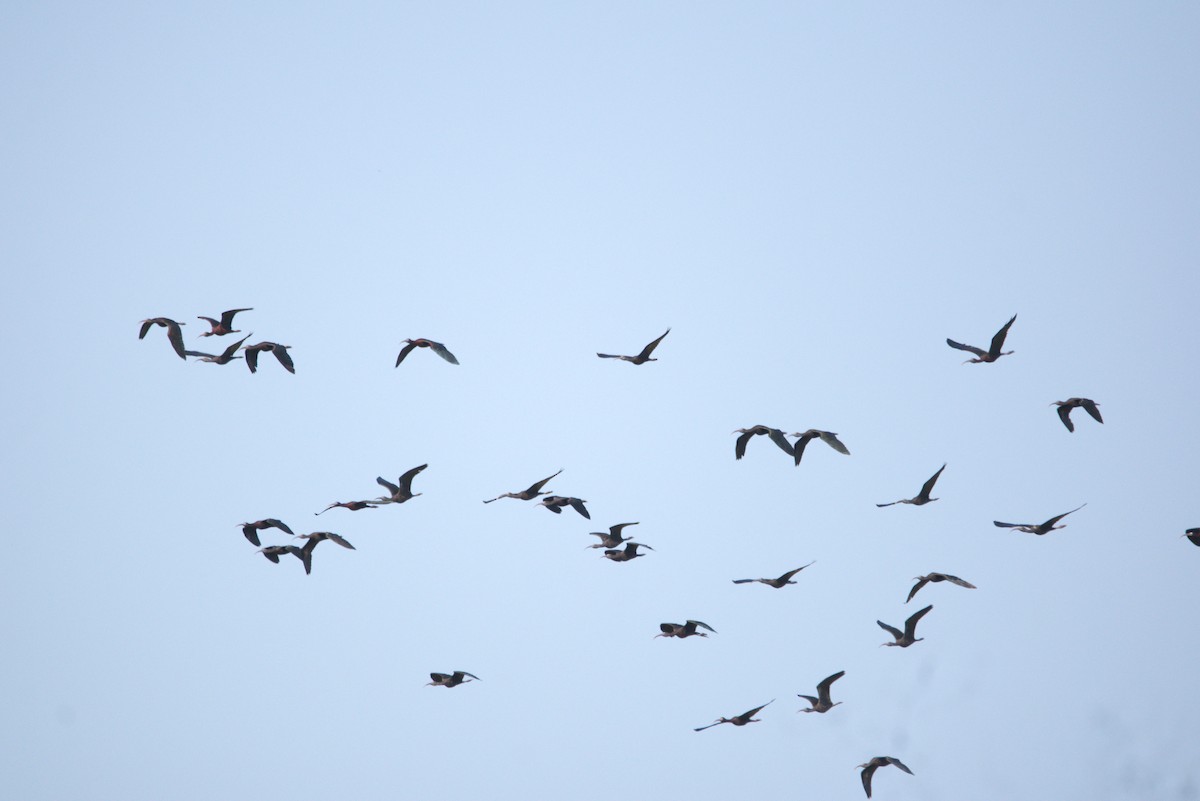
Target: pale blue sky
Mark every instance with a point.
(813, 197)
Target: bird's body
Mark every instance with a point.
(629, 552)
(738, 720)
(934, 578)
(223, 326)
(642, 357)
(273, 552)
(451, 679)
(534, 490)
(613, 538)
(250, 530)
(905, 638)
(774, 434)
(1038, 528)
(225, 357)
(318, 536)
(281, 353)
(1065, 407)
(436, 347)
(922, 497)
(822, 702)
(828, 437)
(399, 493)
(683, 630)
(556, 503)
(174, 334)
(869, 769)
(353, 506)
(993, 352)
(777, 583)
(1193, 535)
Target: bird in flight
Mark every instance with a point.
(738, 720)
(777, 583)
(922, 496)
(1193, 535)
(1065, 407)
(437, 348)
(934, 578)
(174, 335)
(250, 530)
(613, 538)
(451, 679)
(223, 326)
(828, 437)
(642, 357)
(774, 434)
(908, 636)
(399, 492)
(273, 552)
(879, 762)
(993, 352)
(1039, 528)
(629, 553)
(281, 353)
(556, 503)
(353, 506)
(225, 356)
(684, 630)
(534, 490)
(822, 703)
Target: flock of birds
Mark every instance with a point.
(618, 547)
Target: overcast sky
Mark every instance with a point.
(812, 197)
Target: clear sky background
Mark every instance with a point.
(811, 196)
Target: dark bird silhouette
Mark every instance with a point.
(436, 347)
(775, 435)
(629, 552)
(935, 578)
(223, 326)
(451, 679)
(922, 496)
(273, 552)
(613, 538)
(1039, 528)
(281, 353)
(1065, 407)
(556, 503)
(225, 357)
(400, 492)
(777, 583)
(739, 720)
(534, 490)
(828, 437)
(174, 335)
(353, 506)
(1193, 535)
(993, 351)
(879, 762)
(684, 630)
(822, 702)
(250, 530)
(642, 357)
(907, 637)
(319, 536)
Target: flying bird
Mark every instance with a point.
(907, 637)
(935, 578)
(273, 552)
(1193, 535)
(993, 351)
(922, 496)
(879, 762)
(822, 702)
(642, 357)
(225, 357)
(437, 348)
(739, 720)
(250, 530)
(1065, 407)
(281, 353)
(223, 326)
(174, 335)
(777, 583)
(400, 492)
(630, 552)
(683, 630)
(319, 536)
(556, 503)
(775, 435)
(1039, 528)
(353, 506)
(828, 437)
(451, 679)
(534, 490)
(613, 538)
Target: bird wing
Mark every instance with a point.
(175, 337)
(1090, 407)
(1064, 414)
(146, 327)
(958, 581)
(892, 630)
(823, 687)
(407, 478)
(646, 351)
(618, 528)
(252, 359)
(227, 316)
(998, 524)
(756, 710)
(407, 349)
(612, 356)
(232, 349)
(998, 339)
(740, 581)
(209, 320)
(780, 439)
(578, 506)
(739, 447)
(1056, 518)
(788, 575)
(440, 350)
(279, 524)
(461, 673)
(893, 760)
(440, 677)
(867, 773)
(830, 439)
(198, 353)
(893, 503)
(669, 628)
(339, 539)
(910, 625)
(284, 358)
(389, 486)
(271, 554)
(916, 588)
(799, 446)
(702, 625)
(251, 533)
(978, 352)
(927, 487)
(631, 547)
(709, 726)
(536, 487)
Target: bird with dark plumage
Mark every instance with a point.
(353, 506)
(935, 578)
(993, 352)
(174, 334)
(612, 538)
(250, 530)
(922, 497)
(273, 552)
(1193, 535)
(738, 720)
(683, 630)
(777, 583)
(399, 492)
(629, 552)
(822, 702)
(451, 679)
(556, 503)
(1038, 528)
(534, 490)
(223, 326)
(774, 434)
(642, 357)
(879, 762)
(1065, 407)
(908, 636)
(828, 437)
(436, 347)
(225, 357)
(281, 353)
